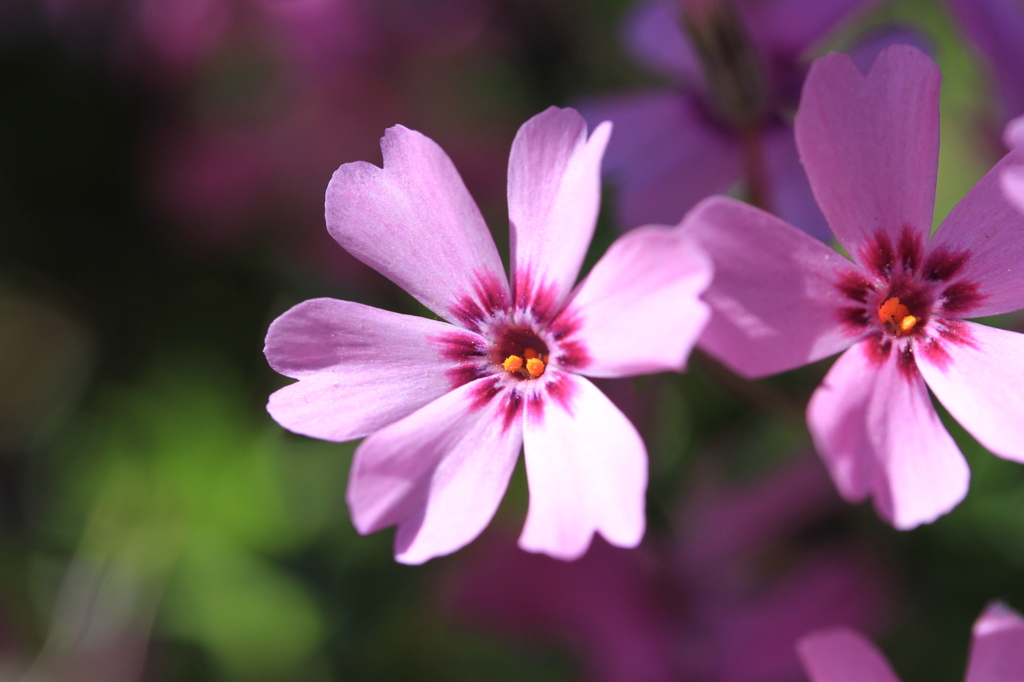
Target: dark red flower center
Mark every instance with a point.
(521, 353)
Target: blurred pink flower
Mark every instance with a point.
(708, 606)
(1013, 177)
(447, 407)
(739, 68)
(842, 655)
(781, 299)
(995, 27)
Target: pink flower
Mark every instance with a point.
(1013, 177)
(842, 655)
(781, 299)
(446, 407)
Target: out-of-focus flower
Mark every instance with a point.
(447, 407)
(842, 655)
(781, 299)
(712, 605)
(995, 27)
(739, 67)
(1013, 177)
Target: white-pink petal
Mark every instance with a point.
(870, 144)
(554, 194)
(997, 651)
(587, 469)
(843, 655)
(875, 427)
(359, 368)
(979, 378)
(774, 297)
(414, 222)
(438, 474)
(639, 310)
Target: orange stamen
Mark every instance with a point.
(535, 366)
(513, 363)
(896, 317)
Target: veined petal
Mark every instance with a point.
(438, 474)
(874, 425)
(980, 245)
(654, 37)
(997, 651)
(774, 297)
(554, 193)
(359, 368)
(665, 155)
(977, 372)
(639, 310)
(415, 223)
(587, 469)
(842, 655)
(870, 144)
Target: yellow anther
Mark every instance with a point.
(896, 317)
(530, 354)
(513, 363)
(535, 366)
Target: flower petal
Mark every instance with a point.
(554, 193)
(790, 27)
(978, 375)
(791, 195)
(653, 34)
(359, 368)
(997, 651)
(871, 144)
(438, 474)
(415, 223)
(842, 655)
(639, 309)
(587, 469)
(874, 425)
(1013, 135)
(665, 155)
(983, 237)
(1013, 186)
(774, 300)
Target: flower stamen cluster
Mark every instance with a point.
(896, 317)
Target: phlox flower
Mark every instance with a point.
(842, 655)
(736, 75)
(781, 299)
(447, 405)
